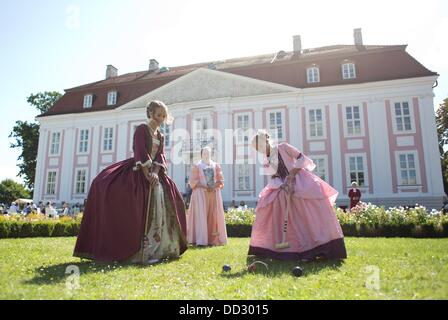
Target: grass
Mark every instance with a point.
(35, 268)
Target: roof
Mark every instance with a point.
(373, 63)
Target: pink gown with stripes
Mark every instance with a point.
(313, 229)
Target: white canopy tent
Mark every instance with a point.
(23, 201)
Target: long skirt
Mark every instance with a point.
(312, 229)
(205, 221)
(114, 218)
(164, 236)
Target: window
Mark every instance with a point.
(242, 126)
(312, 75)
(402, 116)
(408, 172)
(321, 167)
(201, 130)
(80, 182)
(356, 170)
(108, 139)
(166, 131)
(316, 123)
(55, 142)
(112, 98)
(348, 70)
(353, 120)
(243, 176)
(88, 99)
(83, 141)
(51, 182)
(276, 125)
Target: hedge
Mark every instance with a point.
(365, 220)
(18, 229)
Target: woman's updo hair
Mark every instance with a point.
(154, 105)
(261, 134)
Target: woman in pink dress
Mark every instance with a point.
(295, 218)
(206, 225)
(134, 211)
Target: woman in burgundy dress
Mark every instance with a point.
(120, 222)
(354, 194)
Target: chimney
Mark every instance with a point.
(357, 36)
(111, 71)
(297, 43)
(153, 65)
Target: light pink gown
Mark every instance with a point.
(313, 229)
(205, 220)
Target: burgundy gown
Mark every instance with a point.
(354, 196)
(114, 218)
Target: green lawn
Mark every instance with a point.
(35, 268)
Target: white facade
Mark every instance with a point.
(350, 130)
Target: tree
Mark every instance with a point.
(26, 135)
(43, 101)
(11, 190)
(442, 132)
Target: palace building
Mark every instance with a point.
(363, 113)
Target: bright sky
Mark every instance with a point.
(53, 45)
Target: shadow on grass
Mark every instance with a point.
(278, 267)
(202, 247)
(60, 272)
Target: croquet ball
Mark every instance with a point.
(226, 268)
(252, 267)
(297, 271)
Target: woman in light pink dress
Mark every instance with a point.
(205, 223)
(295, 218)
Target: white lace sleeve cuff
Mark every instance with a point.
(304, 162)
(138, 164)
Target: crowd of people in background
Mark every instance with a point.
(50, 209)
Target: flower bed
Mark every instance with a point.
(239, 222)
(365, 220)
(368, 220)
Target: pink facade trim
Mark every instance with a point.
(409, 190)
(46, 169)
(328, 145)
(170, 151)
(189, 126)
(100, 150)
(345, 150)
(418, 145)
(392, 147)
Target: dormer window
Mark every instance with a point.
(348, 70)
(112, 98)
(312, 74)
(88, 99)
